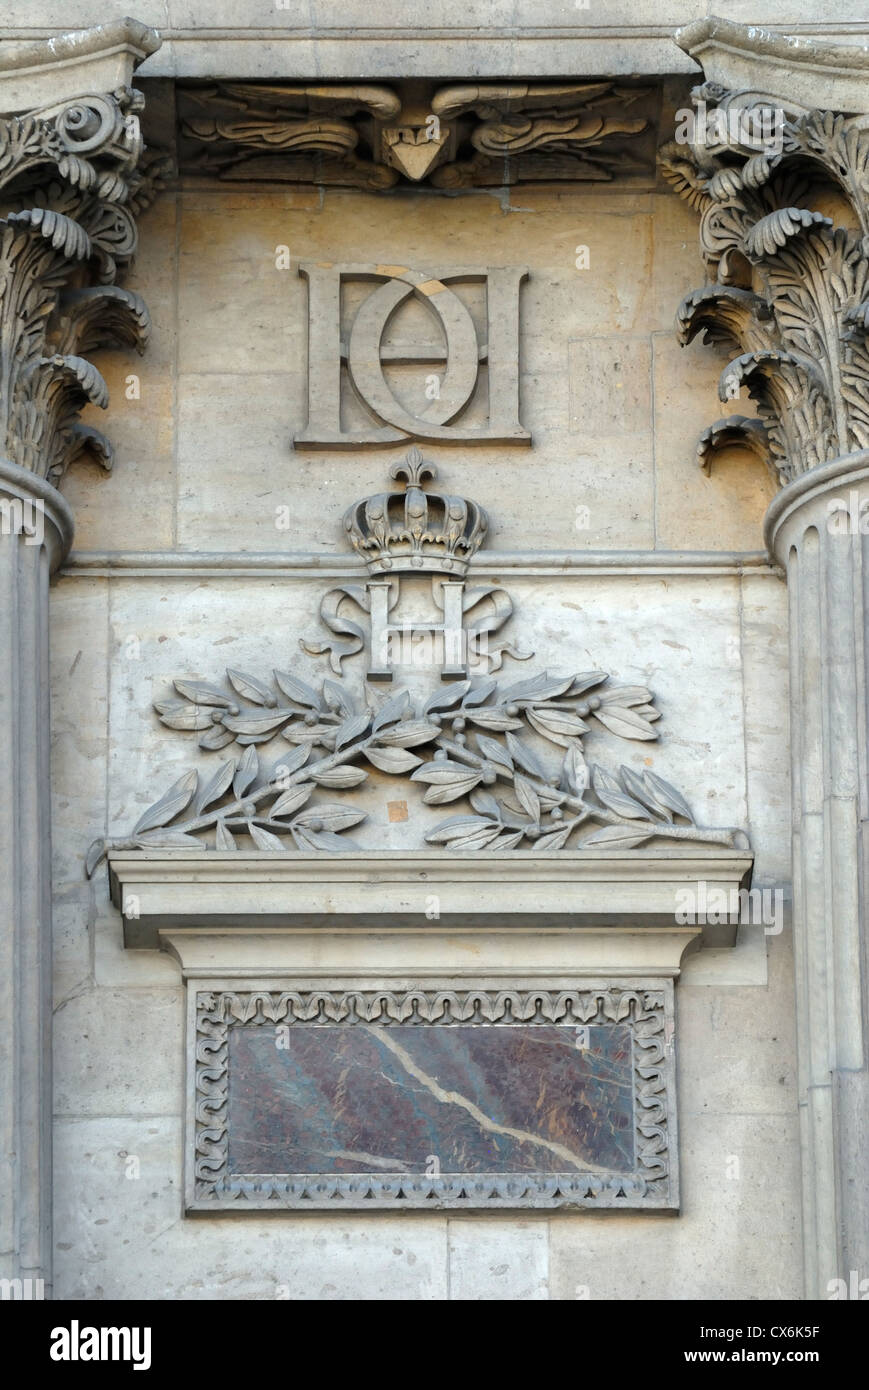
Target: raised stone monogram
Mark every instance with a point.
(349, 355)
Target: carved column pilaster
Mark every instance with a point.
(808, 529)
(72, 179)
(777, 141)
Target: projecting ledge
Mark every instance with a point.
(616, 910)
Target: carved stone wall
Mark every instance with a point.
(215, 545)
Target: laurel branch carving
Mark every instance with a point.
(467, 742)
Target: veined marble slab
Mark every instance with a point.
(471, 1098)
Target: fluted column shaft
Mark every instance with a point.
(27, 504)
(813, 529)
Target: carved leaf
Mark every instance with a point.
(224, 838)
(216, 785)
(321, 839)
(508, 841)
(170, 805)
(458, 827)
(445, 699)
(328, 818)
(621, 836)
(409, 733)
(337, 698)
(252, 689)
(178, 715)
(257, 724)
(665, 795)
(441, 772)
(527, 797)
(448, 781)
(626, 695)
(542, 687)
(264, 839)
(627, 723)
(610, 794)
(586, 680)
(201, 693)
(525, 758)
(351, 730)
(245, 772)
(556, 724)
(554, 840)
(309, 733)
(298, 690)
(494, 718)
(476, 840)
(340, 777)
(575, 770)
(485, 803)
(392, 759)
(96, 851)
(391, 711)
(291, 762)
(479, 693)
(636, 787)
(291, 800)
(492, 750)
(216, 737)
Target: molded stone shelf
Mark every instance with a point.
(260, 913)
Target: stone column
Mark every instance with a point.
(813, 529)
(72, 178)
(27, 505)
(788, 289)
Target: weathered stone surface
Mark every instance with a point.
(110, 1205)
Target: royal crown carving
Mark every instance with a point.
(416, 530)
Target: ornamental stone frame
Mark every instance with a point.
(640, 1009)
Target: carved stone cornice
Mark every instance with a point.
(480, 135)
(788, 285)
(73, 177)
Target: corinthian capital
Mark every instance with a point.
(73, 177)
(774, 156)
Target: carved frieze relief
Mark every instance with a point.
(477, 740)
(452, 137)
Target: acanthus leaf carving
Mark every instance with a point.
(789, 288)
(73, 176)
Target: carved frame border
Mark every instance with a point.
(647, 1005)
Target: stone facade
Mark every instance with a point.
(213, 540)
